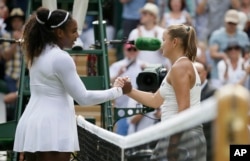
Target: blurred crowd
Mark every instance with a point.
(12, 20)
(223, 49)
(222, 30)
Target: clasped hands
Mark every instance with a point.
(124, 83)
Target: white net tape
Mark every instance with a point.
(184, 120)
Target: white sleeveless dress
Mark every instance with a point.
(172, 21)
(49, 122)
(193, 137)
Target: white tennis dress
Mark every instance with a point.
(193, 143)
(170, 106)
(48, 122)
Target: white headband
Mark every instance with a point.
(40, 21)
(58, 25)
(49, 15)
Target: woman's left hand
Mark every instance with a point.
(124, 83)
(119, 82)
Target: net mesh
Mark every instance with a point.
(95, 148)
(180, 138)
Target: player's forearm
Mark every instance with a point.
(145, 98)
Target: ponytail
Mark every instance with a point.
(191, 48)
(188, 37)
(39, 31)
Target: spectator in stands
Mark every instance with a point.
(3, 34)
(216, 12)
(201, 55)
(4, 56)
(13, 65)
(180, 90)
(149, 28)
(246, 57)
(219, 40)
(47, 128)
(4, 10)
(23, 4)
(130, 20)
(207, 89)
(177, 14)
(130, 66)
(201, 20)
(243, 6)
(131, 15)
(190, 7)
(242, 20)
(231, 70)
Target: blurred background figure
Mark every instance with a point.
(242, 20)
(201, 20)
(244, 7)
(231, 70)
(3, 15)
(130, 19)
(216, 12)
(129, 66)
(16, 20)
(13, 65)
(246, 57)
(207, 89)
(4, 10)
(4, 56)
(149, 28)
(189, 7)
(219, 39)
(177, 14)
(201, 55)
(131, 15)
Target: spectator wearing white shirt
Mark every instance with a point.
(149, 28)
(129, 66)
(231, 70)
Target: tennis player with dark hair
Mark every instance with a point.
(180, 90)
(47, 129)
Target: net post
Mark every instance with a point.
(231, 123)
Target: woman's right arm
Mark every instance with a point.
(149, 99)
(65, 70)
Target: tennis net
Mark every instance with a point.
(159, 142)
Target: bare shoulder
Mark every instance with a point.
(182, 66)
(181, 69)
(181, 72)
